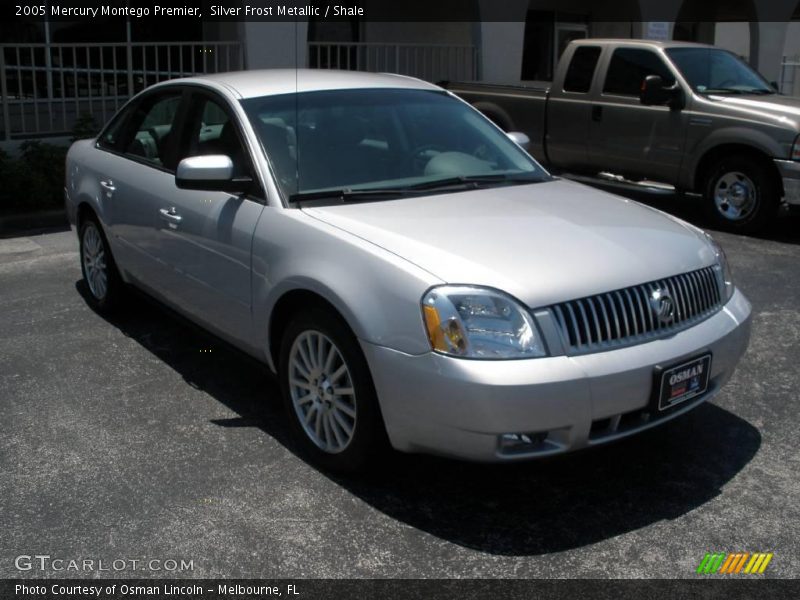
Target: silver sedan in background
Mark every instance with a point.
(412, 275)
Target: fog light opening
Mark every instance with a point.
(521, 443)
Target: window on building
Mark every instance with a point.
(537, 50)
(581, 69)
(629, 67)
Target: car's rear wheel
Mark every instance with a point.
(98, 267)
(328, 393)
(741, 194)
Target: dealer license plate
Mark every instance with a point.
(684, 382)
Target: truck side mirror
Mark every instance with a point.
(654, 93)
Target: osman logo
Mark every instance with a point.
(739, 562)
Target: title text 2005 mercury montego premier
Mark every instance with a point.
(410, 273)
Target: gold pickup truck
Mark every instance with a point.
(693, 116)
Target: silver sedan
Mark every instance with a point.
(412, 275)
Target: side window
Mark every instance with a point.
(110, 137)
(581, 69)
(153, 136)
(629, 67)
(212, 131)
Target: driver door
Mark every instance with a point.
(206, 236)
(628, 138)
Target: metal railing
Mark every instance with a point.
(45, 88)
(432, 62)
(789, 82)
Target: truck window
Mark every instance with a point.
(581, 69)
(629, 67)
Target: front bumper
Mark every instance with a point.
(790, 174)
(454, 407)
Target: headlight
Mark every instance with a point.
(473, 322)
(724, 273)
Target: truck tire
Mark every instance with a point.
(328, 393)
(741, 194)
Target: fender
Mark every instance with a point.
(738, 135)
(321, 261)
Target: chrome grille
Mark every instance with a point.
(624, 317)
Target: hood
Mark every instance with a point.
(768, 107)
(542, 243)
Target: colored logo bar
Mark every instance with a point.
(734, 563)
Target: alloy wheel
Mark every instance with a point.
(94, 261)
(322, 391)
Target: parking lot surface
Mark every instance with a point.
(141, 437)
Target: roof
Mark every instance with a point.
(638, 42)
(268, 82)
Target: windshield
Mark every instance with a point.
(710, 70)
(396, 140)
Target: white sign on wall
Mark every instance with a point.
(656, 30)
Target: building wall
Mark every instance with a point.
(734, 37)
(418, 33)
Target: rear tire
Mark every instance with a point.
(741, 194)
(328, 393)
(99, 270)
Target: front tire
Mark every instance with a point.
(98, 267)
(741, 195)
(328, 393)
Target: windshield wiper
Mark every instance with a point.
(346, 194)
(721, 91)
(738, 91)
(461, 181)
(474, 181)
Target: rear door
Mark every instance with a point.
(626, 137)
(568, 110)
(206, 237)
(139, 177)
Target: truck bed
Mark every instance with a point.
(510, 107)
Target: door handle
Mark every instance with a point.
(597, 113)
(170, 215)
(108, 186)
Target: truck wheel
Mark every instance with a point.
(98, 267)
(328, 393)
(741, 195)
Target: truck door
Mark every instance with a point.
(626, 137)
(568, 110)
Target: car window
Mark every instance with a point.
(111, 135)
(710, 70)
(370, 138)
(213, 131)
(581, 69)
(629, 67)
(154, 130)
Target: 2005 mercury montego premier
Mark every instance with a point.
(410, 273)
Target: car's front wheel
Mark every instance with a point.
(98, 267)
(328, 393)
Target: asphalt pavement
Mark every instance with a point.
(143, 438)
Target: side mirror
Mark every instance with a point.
(213, 172)
(654, 93)
(520, 139)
